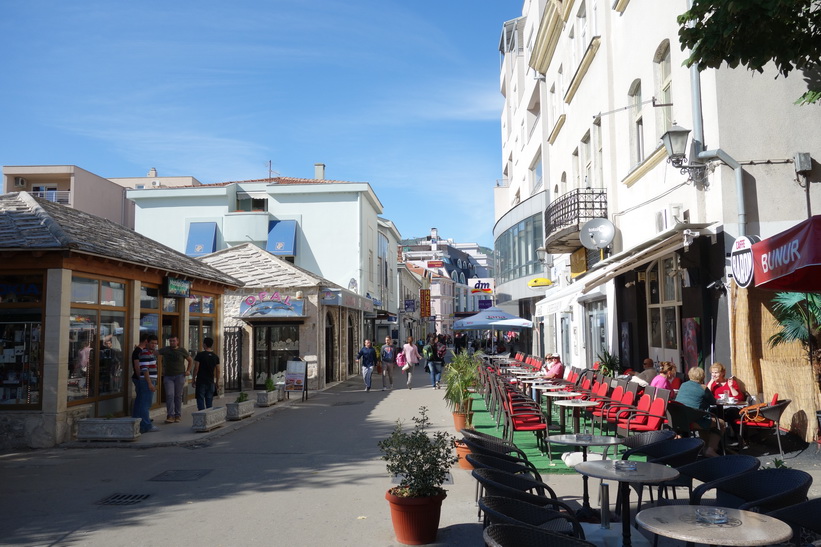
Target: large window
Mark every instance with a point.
(516, 249)
(636, 125)
(274, 346)
(96, 339)
(21, 298)
(664, 308)
(664, 89)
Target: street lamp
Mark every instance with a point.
(541, 254)
(675, 142)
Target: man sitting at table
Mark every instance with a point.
(649, 371)
(553, 368)
(696, 395)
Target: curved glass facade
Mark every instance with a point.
(516, 250)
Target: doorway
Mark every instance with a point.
(330, 362)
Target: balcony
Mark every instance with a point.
(565, 216)
(57, 196)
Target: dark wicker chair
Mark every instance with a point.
(648, 437)
(493, 444)
(707, 471)
(804, 519)
(501, 510)
(526, 468)
(672, 452)
(772, 420)
(761, 491)
(501, 483)
(512, 535)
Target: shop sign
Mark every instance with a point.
(742, 262)
(410, 305)
(482, 286)
(173, 287)
(14, 292)
(424, 300)
(270, 304)
(436, 264)
(485, 304)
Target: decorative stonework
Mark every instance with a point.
(238, 411)
(208, 419)
(104, 429)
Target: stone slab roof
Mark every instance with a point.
(257, 267)
(31, 224)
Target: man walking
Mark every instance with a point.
(388, 362)
(367, 358)
(174, 373)
(144, 363)
(206, 375)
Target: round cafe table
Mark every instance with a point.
(577, 405)
(742, 527)
(558, 394)
(644, 473)
(585, 441)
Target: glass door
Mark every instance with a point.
(664, 309)
(274, 346)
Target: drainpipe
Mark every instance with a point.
(698, 151)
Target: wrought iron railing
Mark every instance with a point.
(575, 207)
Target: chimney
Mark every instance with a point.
(319, 171)
(152, 172)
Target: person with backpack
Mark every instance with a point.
(388, 358)
(411, 357)
(436, 361)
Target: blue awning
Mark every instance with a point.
(282, 237)
(202, 238)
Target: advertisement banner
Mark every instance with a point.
(424, 302)
(484, 286)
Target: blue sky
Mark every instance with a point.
(401, 94)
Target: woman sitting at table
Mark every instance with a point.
(696, 395)
(665, 376)
(722, 387)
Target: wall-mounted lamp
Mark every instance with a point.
(544, 257)
(675, 142)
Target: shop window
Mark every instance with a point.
(274, 346)
(149, 298)
(20, 335)
(97, 331)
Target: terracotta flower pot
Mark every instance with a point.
(415, 520)
(462, 450)
(461, 420)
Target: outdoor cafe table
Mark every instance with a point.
(644, 473)
(585, 441)
(742, 527)
(546, 385)
(577, 405)
(557, 395)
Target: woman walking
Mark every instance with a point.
(412, 358)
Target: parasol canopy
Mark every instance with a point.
(492, 318)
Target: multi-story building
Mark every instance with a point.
(82, 190)
(453, 266)
(590, 88)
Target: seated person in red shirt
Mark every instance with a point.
(720, 385)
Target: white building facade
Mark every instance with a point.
(590, 87)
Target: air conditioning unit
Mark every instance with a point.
(155, 183)
(20, 182)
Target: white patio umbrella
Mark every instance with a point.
(492, 318)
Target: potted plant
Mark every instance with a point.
(609, 364)
(461, 379)
(269, 396)
(421, 461)
(241, 408)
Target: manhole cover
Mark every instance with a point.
(181, 475)
(123, 499)
(348, 403)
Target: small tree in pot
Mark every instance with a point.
(421, 461)
(461, 379)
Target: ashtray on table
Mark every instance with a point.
(625, 465)
(711, 515)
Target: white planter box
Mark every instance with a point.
(266, 398)
(208, 419)
(105, 429)
(238, 411)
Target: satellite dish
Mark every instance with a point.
(597, 233)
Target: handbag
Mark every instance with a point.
(752, 413)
